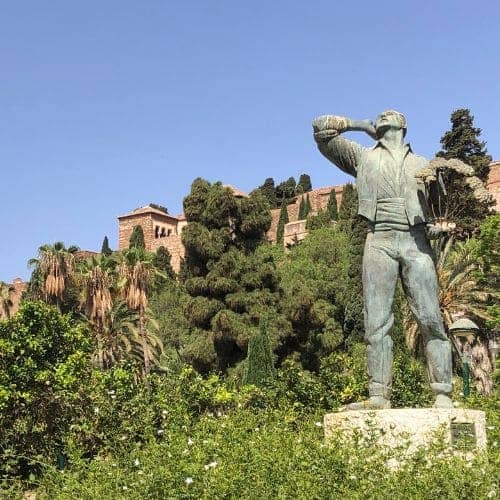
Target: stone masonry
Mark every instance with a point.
(160, 229)
(319, 200)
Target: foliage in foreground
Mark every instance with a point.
(181, 435)
(267, 453)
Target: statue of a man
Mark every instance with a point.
(397, 244)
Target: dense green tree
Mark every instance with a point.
(286, 190)
(137, 238)
(331, 207)
(308, 205)
(162, 261)
(303, 208)
(268, 189)
(463, 142)
(283, 219)
(355, 229)
(314, 277)
(174, 328)
(259, 363)
(45, 357)
(105, 249)
(321, 219)
(227, 281)
(304, 185)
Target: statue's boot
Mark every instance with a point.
(372, 403)
(443, 401)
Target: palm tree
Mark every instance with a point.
(5, 298)
(460, 291)
(97, 275)
(54, 267)
(119, 335)
(136, 271)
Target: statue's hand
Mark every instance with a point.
(438, 229)
(370, 129)
(327, 127)
(330, 122)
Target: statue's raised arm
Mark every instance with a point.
(343, 153)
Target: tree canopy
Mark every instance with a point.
(463, 142)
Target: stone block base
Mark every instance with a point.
(463, 429)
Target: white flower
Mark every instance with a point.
(123, 437)
(318, 424)
(111, 392)
(190, 442)
(256, 429)
(211, 465)
(96, 410)
(159, 431)
(136, 462)
(188, 480)
(124, 488)
(164, 413)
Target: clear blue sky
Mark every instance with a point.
(109, 105)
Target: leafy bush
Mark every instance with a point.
(273, 453)
(44, 359)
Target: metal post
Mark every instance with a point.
(465, 376)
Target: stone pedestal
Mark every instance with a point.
(463, 429)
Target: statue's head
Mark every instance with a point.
(390, 119)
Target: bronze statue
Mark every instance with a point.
(395, 206)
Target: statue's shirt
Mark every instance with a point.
(391, 212)
(387, 189)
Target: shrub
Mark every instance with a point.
(44, 360)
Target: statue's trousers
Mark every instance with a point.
(408, 254)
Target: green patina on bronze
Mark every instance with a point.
(395, 205)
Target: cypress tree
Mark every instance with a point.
(162, 262)
(331, 207)
(302, 209)
(260, 363)
(280, 230)
(268, 189)
(305, 183)
(286, 189)
(308, 206)
(355, 229)
(137, 238)
(105, 249)
(349, 205)
(463, 142)
(321, 219)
